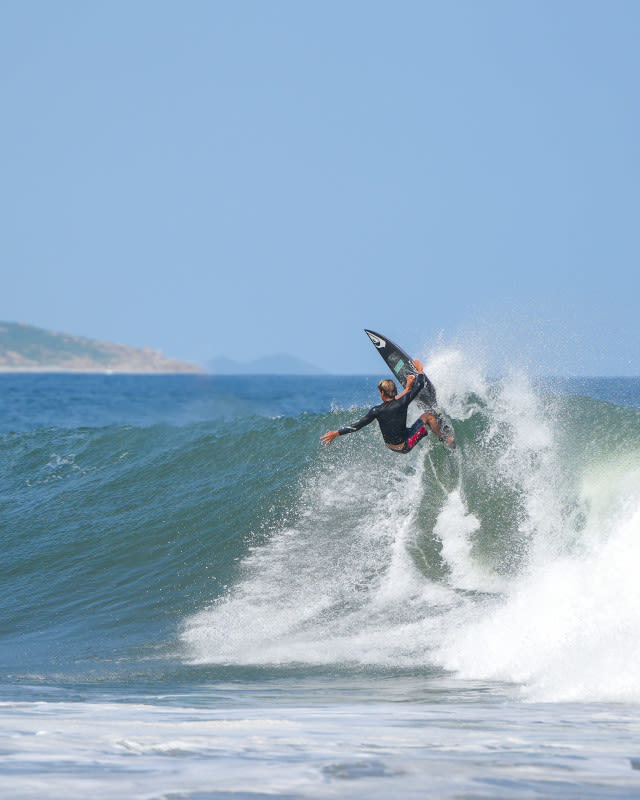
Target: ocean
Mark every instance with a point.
(200, 602)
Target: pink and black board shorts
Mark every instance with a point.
(416, 432)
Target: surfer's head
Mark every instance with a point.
(388, 388)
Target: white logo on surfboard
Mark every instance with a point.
(379, 343)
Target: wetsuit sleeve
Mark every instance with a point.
(415, 389)
(368, 417)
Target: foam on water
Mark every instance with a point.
(146, 750)
(567, 630)
(330, 588)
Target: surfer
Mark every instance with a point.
(392, 416)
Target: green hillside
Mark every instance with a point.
(28, 348)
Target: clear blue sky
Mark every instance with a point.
(247, 178)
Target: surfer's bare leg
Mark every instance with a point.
(432, 422)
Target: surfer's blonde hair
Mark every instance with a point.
(388, 388)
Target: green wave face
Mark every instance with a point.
(233, 539)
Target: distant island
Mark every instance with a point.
(279, 364)
(26, 348)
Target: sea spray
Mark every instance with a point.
(475, 560)
(565, 631)
(564, 624)
(319, 591)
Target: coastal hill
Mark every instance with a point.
(25, 348)
(279, 364)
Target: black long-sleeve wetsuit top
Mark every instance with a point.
(391, 416)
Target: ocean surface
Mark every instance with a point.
(198, 601)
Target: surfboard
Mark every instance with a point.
(402, 366)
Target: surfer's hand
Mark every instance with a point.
(328, 437)
(411, 379)
(418, 365)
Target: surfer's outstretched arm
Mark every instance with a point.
(329, 436)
